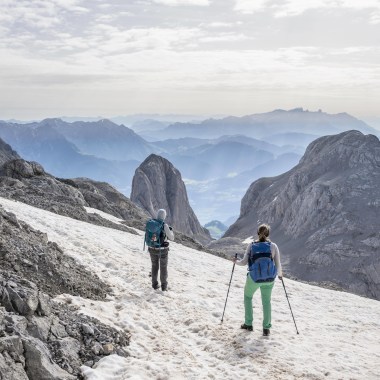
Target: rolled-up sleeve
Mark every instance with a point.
(276, 258)
(244, 260)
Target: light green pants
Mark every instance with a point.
(266, 292)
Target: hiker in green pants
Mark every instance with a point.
(263, 259)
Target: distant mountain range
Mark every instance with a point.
(218, 158)
(264, 125)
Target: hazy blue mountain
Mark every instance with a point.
(212, 169)
(210, 161)
(270, 123)
(274, 146)
(221, 197)
(216, 228)
(229, 157)
(103, 139)
(174, 146)
(42, 142)
(292, 139)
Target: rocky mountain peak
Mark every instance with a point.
(351, 148)
(158, 184)
(324, 212)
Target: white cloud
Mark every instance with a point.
(250, 6)
(57, 44)
(289, 8)
(37, 13)
(175, 3)
(224, 37)
(71, 5)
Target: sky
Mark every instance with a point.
(178, 334)
(235, 57)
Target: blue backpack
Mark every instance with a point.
(260, 262)
(154, 233)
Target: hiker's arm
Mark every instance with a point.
(169, 232)
(277, 261)
(244, 260)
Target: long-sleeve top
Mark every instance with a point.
(275, 255)
(169, 233)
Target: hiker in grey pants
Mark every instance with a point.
(159, 256)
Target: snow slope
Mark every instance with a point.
(178, 334)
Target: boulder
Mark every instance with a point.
(39, 364)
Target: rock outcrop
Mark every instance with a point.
(6, 153)
(104, 197)
(29, 183)
(41, 338)
(324, 213)
(158, 184)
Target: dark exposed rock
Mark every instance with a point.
(6, 153)
(39, 364)
(104, 197)
(11, 369)
(20, 169)
(54, 346)
(43, 263)
(158, 184)
(29, 183)
(324, 213)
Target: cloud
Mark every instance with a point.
(224, 37)
(176, 3)
(118, 41)
(250, 6)
(220, 25)
(290, 8)
(219, 56)
(38, 14)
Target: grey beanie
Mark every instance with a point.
(161, 214)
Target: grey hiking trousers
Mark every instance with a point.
(159, 260)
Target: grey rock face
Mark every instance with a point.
(158, 184)
(6, 153)
(324, 213)
(28, 253)
(29, 183)
(104, 197)
(39, 364)
(39, 338)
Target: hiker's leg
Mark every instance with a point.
(266, 294)
(249, 290)
(164, 270)
(155, 266)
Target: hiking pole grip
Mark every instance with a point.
(283, 284)
(233, 268)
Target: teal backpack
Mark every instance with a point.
(154, 233)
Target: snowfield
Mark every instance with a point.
(178, 334)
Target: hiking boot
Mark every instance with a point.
(164, 289)
(246, 327)
(266, 332)
(155, 287)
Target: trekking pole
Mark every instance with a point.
(289, 304)
(233, 268)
